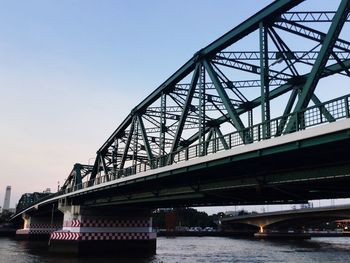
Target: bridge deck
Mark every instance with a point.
(267, 147)
(304, 211)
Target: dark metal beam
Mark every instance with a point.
(127, 144)
(330, 70)
(104, 167)
(269, 13)
(323, 110)
(231, 111)
(264, 79)
(276, 56)
(313, 16)
(185, 109)
(310, 33)
(247, 67)
(145, 140)
(320, 63)
(340, 62)
(221, 137)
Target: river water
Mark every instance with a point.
(197, 249)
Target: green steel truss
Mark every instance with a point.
(270, 65)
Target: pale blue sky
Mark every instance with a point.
(71, 70)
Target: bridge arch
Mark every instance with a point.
(284, 220)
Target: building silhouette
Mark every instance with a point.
(7, 199)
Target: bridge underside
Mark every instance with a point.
(285, 173)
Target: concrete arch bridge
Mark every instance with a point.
(282, 221)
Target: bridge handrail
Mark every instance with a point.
(329, 111)
(306, 118)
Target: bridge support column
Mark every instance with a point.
(88, 230)
(38, 227)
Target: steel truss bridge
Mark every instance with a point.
(280, 73)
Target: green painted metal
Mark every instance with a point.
(340, 62)
(274, 56)
(310, 33)
(225, 99)
(195, 120)
(323, 110)
(285, 52)
(185, 110)
(126, 149)
(201, 106)
(310, 119)
(270, 180)
(272, 11)
(135, 142)
(329, 70)
(221, 137)
(320, 63)
(77, 179)
(29, 199)
(104, 168)
(94, 171)
(264, 78)
(208, 139)
(162, 124)
(145, 140)
(310, 16)
(181, 121)
(251, 68)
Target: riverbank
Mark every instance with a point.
(204, 233)
(7, 232)
(240, 234)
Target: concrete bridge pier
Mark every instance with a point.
(38, 227)
(91, 230)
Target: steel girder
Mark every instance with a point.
(322, 59)
(313, 16)
(224, 88)
(77, 175)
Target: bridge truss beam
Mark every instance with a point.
(224, 88)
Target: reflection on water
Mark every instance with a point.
(197, 249)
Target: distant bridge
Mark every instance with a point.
(296, 218)
(233, 125)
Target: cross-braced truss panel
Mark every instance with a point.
(253, 83)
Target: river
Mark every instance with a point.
(197, 249)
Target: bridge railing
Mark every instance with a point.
(315, 115)
(326, 112)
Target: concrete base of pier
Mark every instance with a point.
(38, 227)
(126, 247)
(31, 236)
(88, 230)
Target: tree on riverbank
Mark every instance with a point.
(185, 217)
(5, 217)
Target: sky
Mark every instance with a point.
(72, 70)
